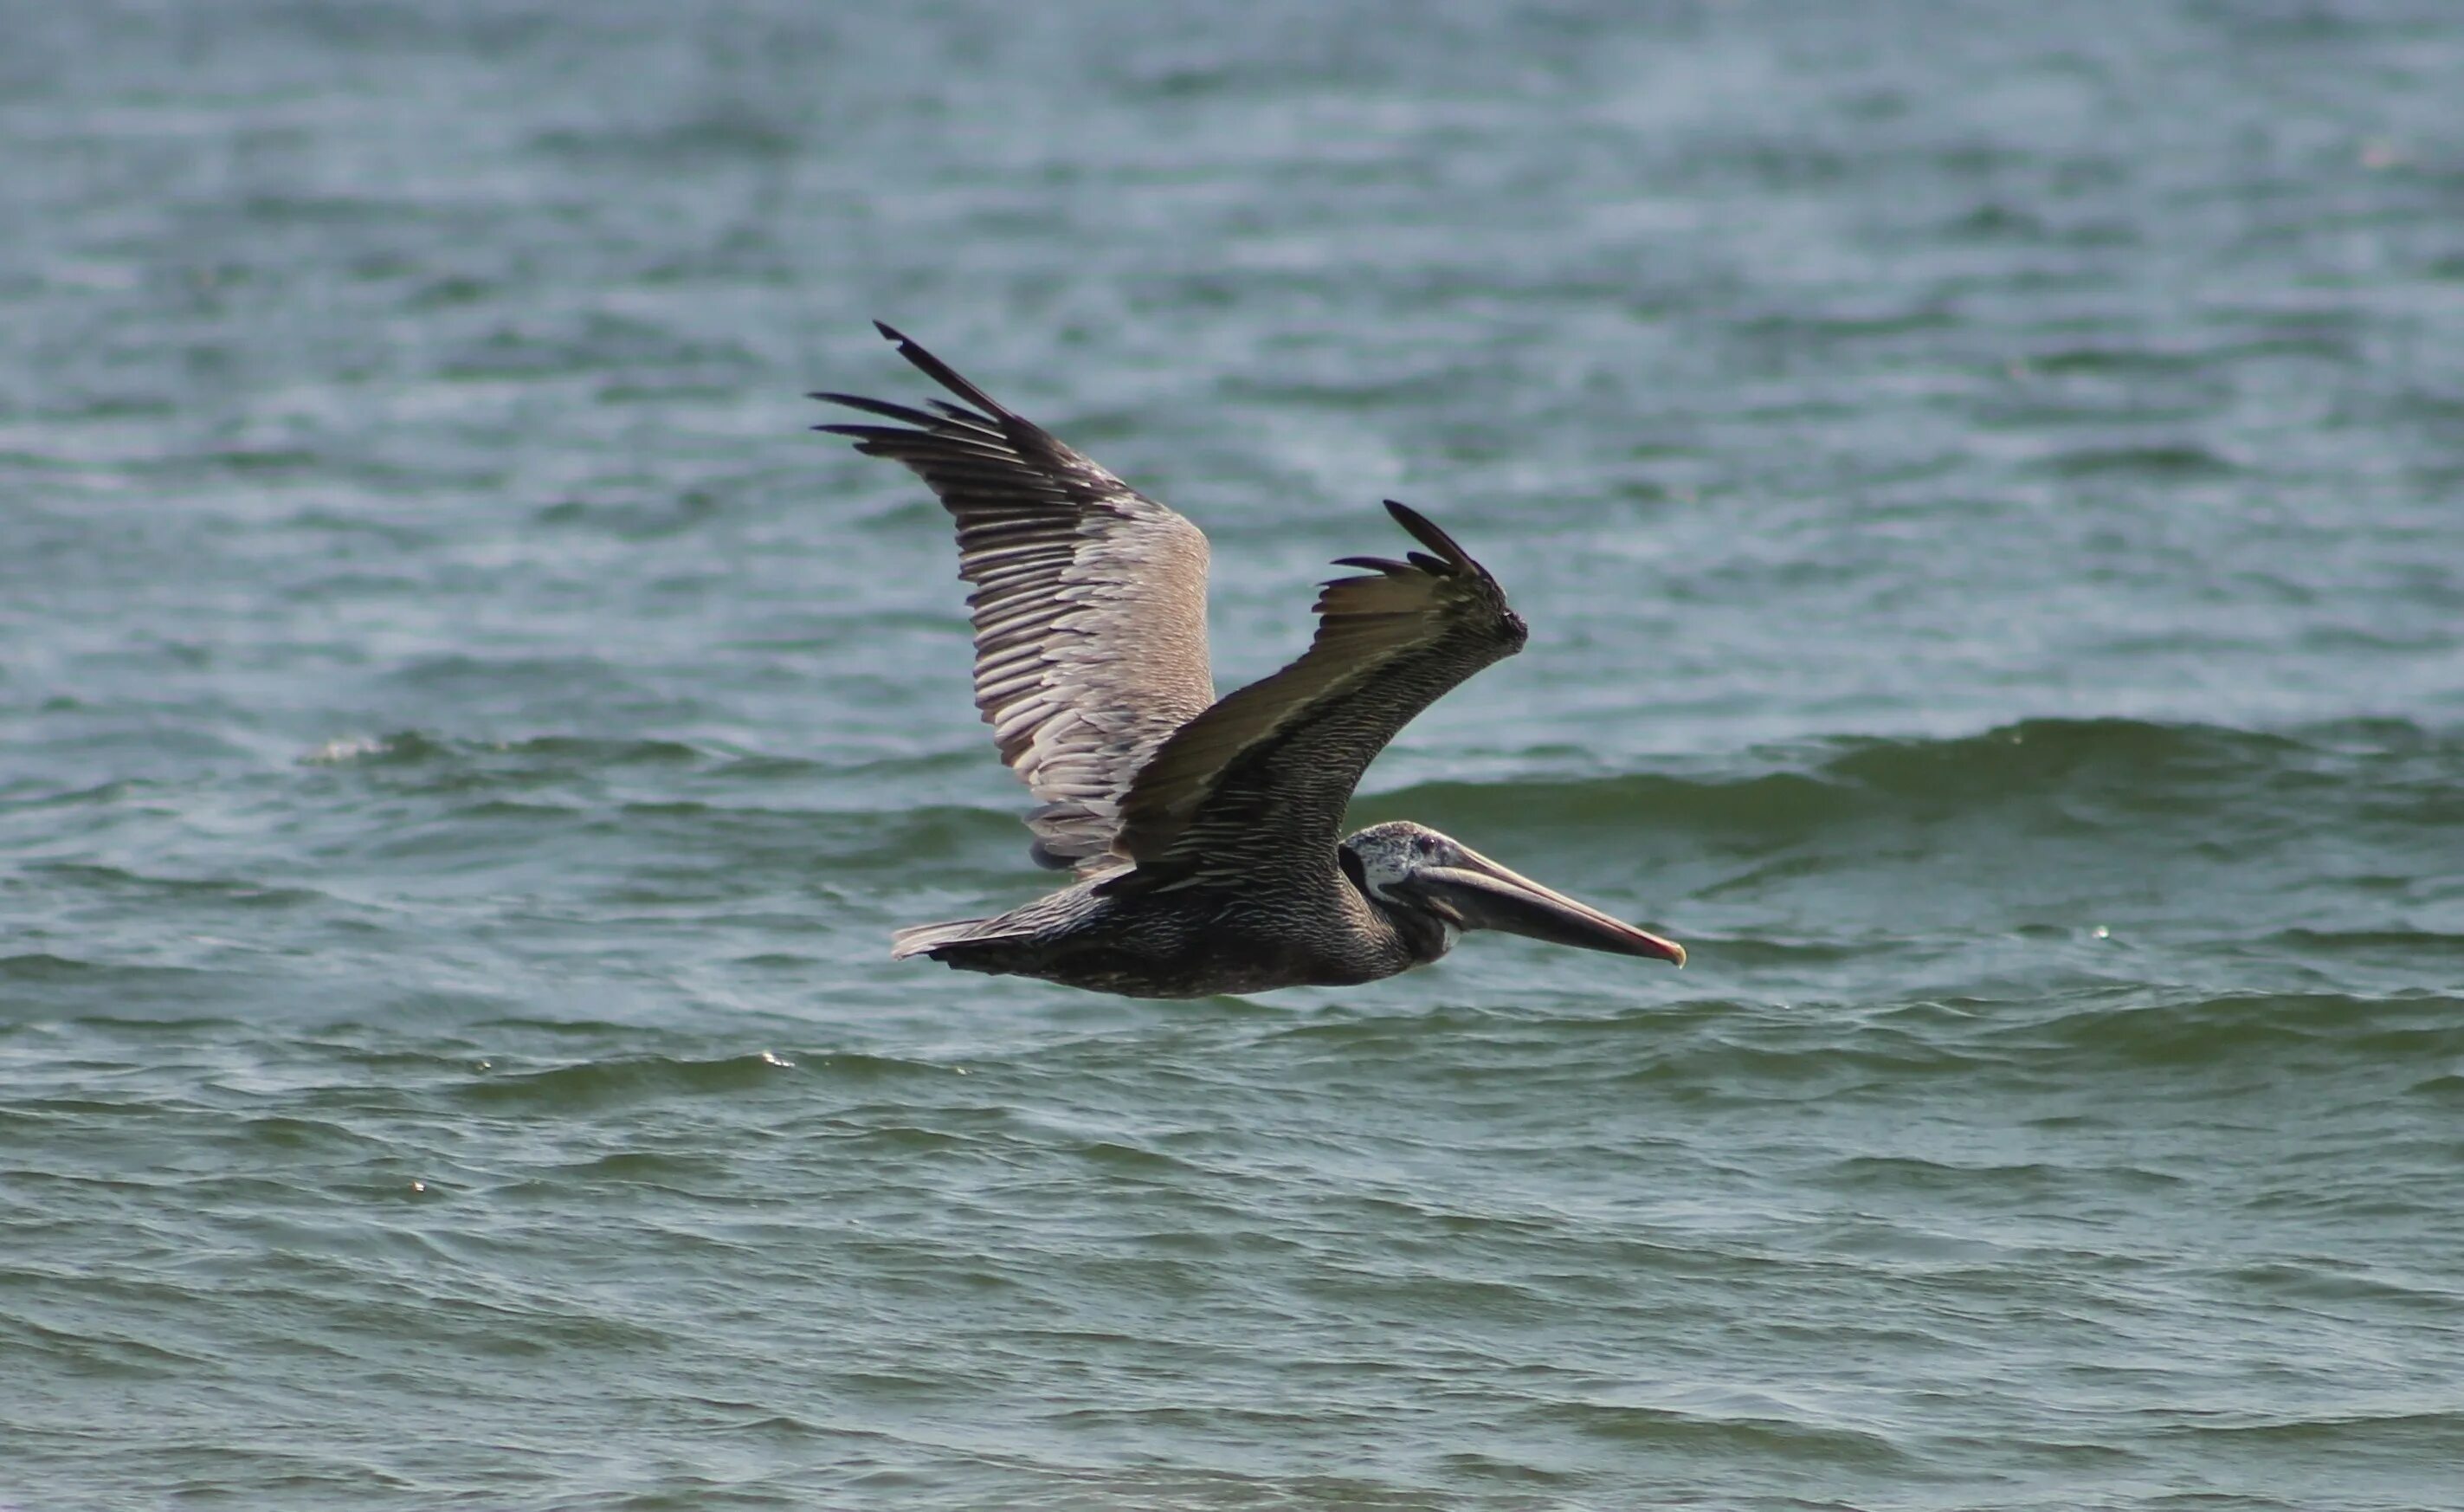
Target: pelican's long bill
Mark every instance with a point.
(1486, 896)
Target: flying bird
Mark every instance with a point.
(1205, 833)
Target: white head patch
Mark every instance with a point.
(1383, 866)
(1389, 852)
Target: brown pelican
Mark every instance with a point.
(1205, 831)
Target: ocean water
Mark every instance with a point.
(1986, 485)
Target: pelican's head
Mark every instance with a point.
(1420, 876)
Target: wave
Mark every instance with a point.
(2417, 1029)
(2189, 790)
(2069, 774)
(416, 749)
(591, 1083)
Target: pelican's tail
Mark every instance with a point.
(973, 945)
(994, 945)
(925, 939)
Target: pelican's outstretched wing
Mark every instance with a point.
(1257, 785)
(1089, 602)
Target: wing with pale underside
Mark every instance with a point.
(1257, 785)
(1089, 602)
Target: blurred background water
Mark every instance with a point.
(1983, 484)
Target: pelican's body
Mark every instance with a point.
(1190, 943)
(1205, 831)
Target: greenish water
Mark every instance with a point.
(1985, 488)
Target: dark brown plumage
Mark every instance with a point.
(1071, 568)
(1204, 833)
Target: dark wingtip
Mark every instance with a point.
(1428, 534)
(941, 372)
(902, 414)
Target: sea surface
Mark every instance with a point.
(1987, 486)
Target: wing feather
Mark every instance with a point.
(1089, 602)
(1258, 784)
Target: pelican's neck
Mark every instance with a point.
(1424, 936)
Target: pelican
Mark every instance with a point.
(1205, 833)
